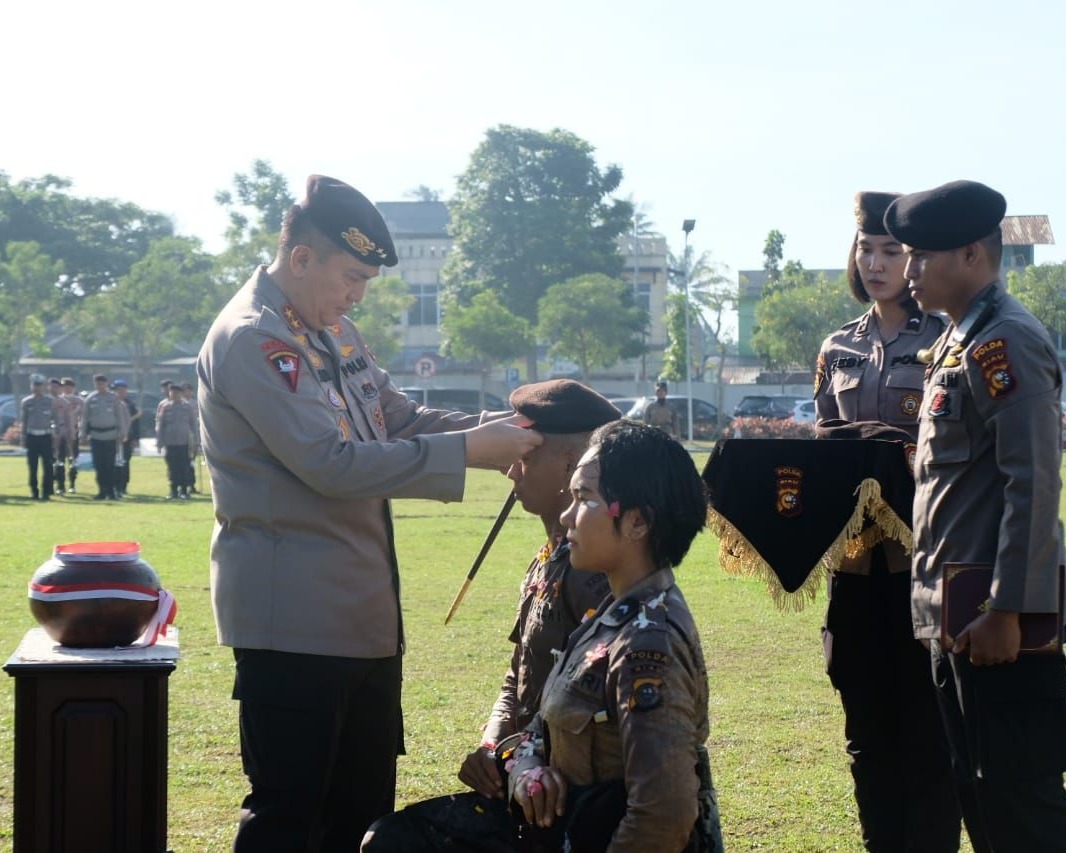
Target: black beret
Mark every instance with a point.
(946, 217)
(53, 380)
(350, 220)
(99, 377)
(661, 384)
(870, 210)
(563, 406)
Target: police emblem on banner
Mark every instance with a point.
(284, 360)
(789, 483)
(995, 367)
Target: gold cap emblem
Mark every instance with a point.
(359, 241)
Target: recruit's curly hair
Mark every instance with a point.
(643, 468)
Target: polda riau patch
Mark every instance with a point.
(284, 360)
(991, 357)
(789, 488)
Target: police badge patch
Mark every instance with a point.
(991, 357)
(940, 403)
(909, 404)
(284, 360)
(647, 694)
(789, 483)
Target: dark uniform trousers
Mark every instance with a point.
(59, 465)
(900, 763)
(1006, 725)
(39, 452)
(308, 718)
(177, 456)
(103, 453)
(122, 472)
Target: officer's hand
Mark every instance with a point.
(542, 795)
(497, 444)
(479, 772)
(993, 637)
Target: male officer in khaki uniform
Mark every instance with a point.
(659, 413)
(306, 439)
(105, 422)
(174, 427)
(38, 420)
(72, 429)
(987, 491)
(59, 449)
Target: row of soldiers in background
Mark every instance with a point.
(55, 425)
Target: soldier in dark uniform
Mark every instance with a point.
(38, 422)
(133, 437)
(869, 370)
(615, 759)
(553, 599)
(987, 492)
(104, 423)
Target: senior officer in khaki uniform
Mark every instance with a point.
(38, 417)
(306, 438)
(75, 411)
(987, 491)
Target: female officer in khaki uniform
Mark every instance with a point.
(615, 758)
(869, 371)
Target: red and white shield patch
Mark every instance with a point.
(284, 360)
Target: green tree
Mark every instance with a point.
(793, 321)
(773, 251)
(167, 297)
(484, 332)
(423, 193)
(97, 240)
(1042, 289)
(711, 296)
(532, 209)
(380, 313)
(256, 205)
(591, 320)
(29, 294)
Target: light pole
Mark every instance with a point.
(687, 227)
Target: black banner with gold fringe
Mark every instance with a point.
(788, 510)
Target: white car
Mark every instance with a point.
(803, 412)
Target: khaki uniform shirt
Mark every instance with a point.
(662, 416)
(554, 598)
(38, 415)
(861, 377)
(105, 417)
(628, 701)
(62, 407)
(176, 423)
(302, 555)
(75, 410)
(987, 463)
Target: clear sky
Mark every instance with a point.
(745, 116)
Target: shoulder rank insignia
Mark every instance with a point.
(292, 318)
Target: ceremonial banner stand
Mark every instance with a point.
(91, 746)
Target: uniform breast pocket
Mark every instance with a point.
(904, 393)
(942, 424)
(845, 388)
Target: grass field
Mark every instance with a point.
(776, 727)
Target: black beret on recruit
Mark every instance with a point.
(350, 220)
(870, 210)
(946, 217)
(563, 406)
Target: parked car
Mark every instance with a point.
(456, 399)
(704, 415)
(9, 411)
(776, 406)
(624, 404)
(803, 412)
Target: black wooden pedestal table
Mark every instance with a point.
(90, 746)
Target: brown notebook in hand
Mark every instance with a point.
(966, 589)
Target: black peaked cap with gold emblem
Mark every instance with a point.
(350, 220)
(946, 217)
(563, 406)
(870, 210)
